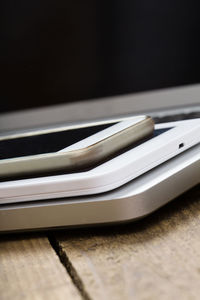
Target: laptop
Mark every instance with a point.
(74, 63)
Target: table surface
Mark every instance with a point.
(154, 258)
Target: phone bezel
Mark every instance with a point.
(81, 154)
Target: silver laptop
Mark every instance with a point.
(55, 73)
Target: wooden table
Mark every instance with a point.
(155, 258)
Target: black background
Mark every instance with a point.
(67, 50)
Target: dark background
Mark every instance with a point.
(67, 50)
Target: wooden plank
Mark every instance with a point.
(30, 269)
(155, 258)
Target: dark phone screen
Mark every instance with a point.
(46, 143)
(51, 142)
(56, 141)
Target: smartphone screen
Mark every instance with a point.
(51, 141)
(55, 141)
(46, 142)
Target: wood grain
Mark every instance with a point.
(156, 258)
(30, 269)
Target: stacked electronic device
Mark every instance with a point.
(109, 171)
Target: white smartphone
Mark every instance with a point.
(69, 148)
(169, 140)
(130, 202)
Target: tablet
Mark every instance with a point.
(130, 202)
(170, 140)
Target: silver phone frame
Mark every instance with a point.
(130, 202)
(77, 156)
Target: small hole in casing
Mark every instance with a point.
(181, 145)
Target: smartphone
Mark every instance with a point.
(169, 140)
(71, 147)
(133, 201)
